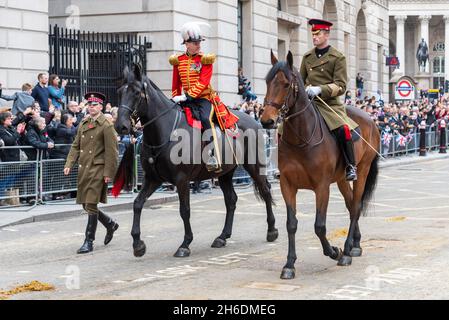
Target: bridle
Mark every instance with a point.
(154, 151)
(284, 109)
(134, 111)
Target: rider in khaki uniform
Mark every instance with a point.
(96, 150)
(323, 70)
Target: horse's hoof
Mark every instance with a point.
(182, 253)
(288, 273)
(140, 249)
(337, 254)
(345, 261)
(272, 235)
(356, 252)
(218, 243)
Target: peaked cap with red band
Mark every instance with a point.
(95, 98)
(319, 24)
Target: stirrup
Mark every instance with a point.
(351, 173)
(212, 164)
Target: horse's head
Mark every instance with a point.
(281, 85)
(131, 94)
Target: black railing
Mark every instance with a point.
(94, 61)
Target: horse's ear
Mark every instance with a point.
(290, 59)
(126, 73)
(274, 60)
(137, 72)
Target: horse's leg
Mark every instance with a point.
(149, 186)
(230, 198)
(322, 202)
(358, 188)
(263, 187)
(347, 192)
(184, 209)
(289, 195)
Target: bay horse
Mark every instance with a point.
(162, 119)
(309, 158)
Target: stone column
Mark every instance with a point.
(425, 34)
(446, 48)
(400, 42)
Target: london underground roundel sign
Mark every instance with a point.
(405, 90)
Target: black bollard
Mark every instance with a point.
(442, 136)
(422, 139)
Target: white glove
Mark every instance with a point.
(179, 99)
(313, 91)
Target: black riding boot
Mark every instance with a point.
(90, 234)
(110, 225)
(351, 169)
(347, 148)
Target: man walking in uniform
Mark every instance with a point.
(192, 73)
(323, 70)
(96, 150)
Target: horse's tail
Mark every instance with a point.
(124, 176)
(264, 194)
(370, 184)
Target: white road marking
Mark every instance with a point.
(23, 272)
(45, 231)
(271, 286)
(10, 229)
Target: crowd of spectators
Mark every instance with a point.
(41, 122)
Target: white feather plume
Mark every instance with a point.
(192, 30)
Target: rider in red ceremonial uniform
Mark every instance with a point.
(192, 73)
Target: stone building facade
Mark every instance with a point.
(241, 33)
(23, 42)
(411, 21)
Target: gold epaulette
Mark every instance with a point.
(208, 58)
(174, 61)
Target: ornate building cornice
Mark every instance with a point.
(412, 1)
(382, 3)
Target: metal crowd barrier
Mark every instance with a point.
(18, 182)
(38, 181)
(394, 149)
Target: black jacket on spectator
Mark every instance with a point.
(37, 139)
(21, 118)
(11, 138)
(63, 135)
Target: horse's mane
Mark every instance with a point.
(162, 97)
(284, 67)
(279, 66)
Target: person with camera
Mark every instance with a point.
(56, 93)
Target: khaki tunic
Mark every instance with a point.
(329, 73)
(96, 150)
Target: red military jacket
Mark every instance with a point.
(193, 75)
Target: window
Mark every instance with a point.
(239, 32)
(438, 65)
(380, 27)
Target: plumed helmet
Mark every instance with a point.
(191, 31)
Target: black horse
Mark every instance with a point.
(163, 120)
